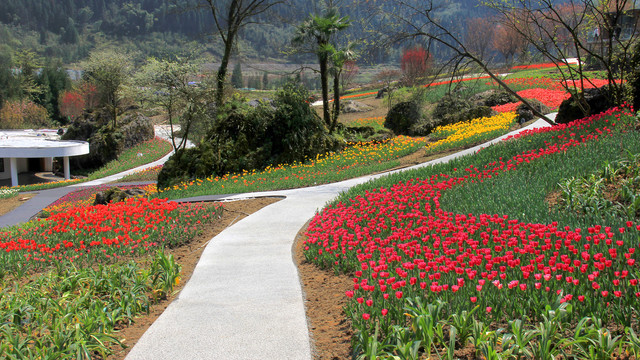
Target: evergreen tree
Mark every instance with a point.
(109, 71)
(53, 80)
(236, 76)
(317, 34)
(70, 33)
(8, 83)
(265, 81)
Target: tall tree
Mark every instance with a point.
(339, 59)
(28, 63)
(415, 64)
(230, 16)
(317, 34)
(170, 85)
(508, 43)
(9, 85)
(419, 19)
(387, 77)
(479, 36)
(53, 79)
(109, 71)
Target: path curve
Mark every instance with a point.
(244, 299)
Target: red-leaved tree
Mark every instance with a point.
(416, 64)
(349, 72)
(90, 93)
(72, 102)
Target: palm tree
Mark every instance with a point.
(317, 31)
(338, 58)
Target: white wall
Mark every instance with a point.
(22, 167)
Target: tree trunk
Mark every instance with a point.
(336, 101)
(222, 70)
(324, 80)
(232, 30)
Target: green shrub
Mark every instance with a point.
(106, 142)
(402, 117)
(598, 100)
(450, 110)
(296, 131)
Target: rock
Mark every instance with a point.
(480, 98)
(116, 195)
(381, 136)
(257, 102)
(135, 128)
(597, 99)
(351, 106)
(525, 113)
(363, 131)
(449, 106)
(499, 98)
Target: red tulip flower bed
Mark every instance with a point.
(551, 98)
(550, 92)
(102, 233)
(400, 244)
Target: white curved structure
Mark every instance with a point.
(17, 148)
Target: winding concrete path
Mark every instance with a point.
(244, 299)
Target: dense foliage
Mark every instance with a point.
(25, 80)
(107, 142)
(245, 138)
(69, 29)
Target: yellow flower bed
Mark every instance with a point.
(328, 165)
(468, 132)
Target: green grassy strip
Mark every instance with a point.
(522, 193)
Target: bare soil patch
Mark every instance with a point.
(8, 205)
(379, 110)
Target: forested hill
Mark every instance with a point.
(71, 28)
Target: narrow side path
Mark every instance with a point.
(244, 299)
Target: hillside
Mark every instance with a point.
(70, 29)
